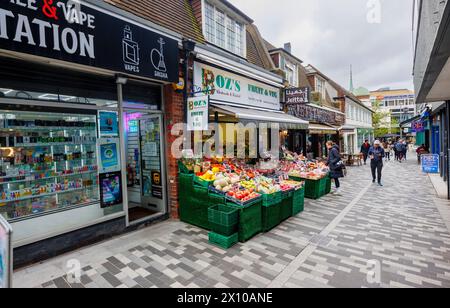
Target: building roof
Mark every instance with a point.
(175, 15)
(361, 91)
(257, 52)
(237, 11)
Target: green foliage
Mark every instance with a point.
(379, 120)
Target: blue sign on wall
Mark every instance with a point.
(430, 163)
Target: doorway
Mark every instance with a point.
(145, 168)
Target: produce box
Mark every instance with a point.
(271, 199)
(186, 183)
(250, 219)
(286, 205)
(183, 169)
(223, 219)
(215, 198)
(270, 216)
(314, 189)
(203, 183)
(224, 242)
(298, 201)
(194, 208)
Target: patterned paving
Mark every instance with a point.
(369, 237)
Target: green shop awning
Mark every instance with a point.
(249, 115)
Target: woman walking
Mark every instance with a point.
(335, 164)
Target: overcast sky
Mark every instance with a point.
(332, 34)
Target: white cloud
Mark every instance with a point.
(333, 34)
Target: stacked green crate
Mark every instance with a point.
(250, 219)
(224, 242)
(271, 211)
(194, 208)
(314, 189)
(298, 201)
(286, 205)
(223, 219)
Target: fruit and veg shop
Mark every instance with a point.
(237, 200)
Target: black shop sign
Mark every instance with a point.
(298, 95)
(78, 33)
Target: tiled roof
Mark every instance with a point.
(175, 15)
(257, 52)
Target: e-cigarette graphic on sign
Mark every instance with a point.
(131, 56)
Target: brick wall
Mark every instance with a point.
(197, 9)
(174, 113)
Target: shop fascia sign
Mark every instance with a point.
(231, 88)
(74, 32)
(313, 114)
(298, 95)
(198, 113)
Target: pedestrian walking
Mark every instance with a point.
(399, 150)
(335, 164)
(377, 155)
(405, 150)
(365, 151)
(387, 150)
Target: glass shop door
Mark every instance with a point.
(146, 183)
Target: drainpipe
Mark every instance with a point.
(188, 48)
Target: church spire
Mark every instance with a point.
(352, 88)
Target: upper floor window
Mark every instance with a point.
(224, 31)
(320, 86)
(291, 73)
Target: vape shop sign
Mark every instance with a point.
(77, 32)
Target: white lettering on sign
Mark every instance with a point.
(50, 35)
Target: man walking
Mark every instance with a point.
(377, 155)
(365, 151)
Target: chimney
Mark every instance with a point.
(288, 47)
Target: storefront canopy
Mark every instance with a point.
(348, 129)
(322, 129)
(246, 115)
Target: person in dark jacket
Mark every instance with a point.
(365, 151)
(377, 155)
(335, 164)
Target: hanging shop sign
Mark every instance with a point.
(298, 95)
(418, 126)
(75, 32)
(231, 88)
(313, 114)
(5, 254)
(430, 163)
(198, 113)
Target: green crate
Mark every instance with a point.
(298, 201)
(183, 169)
(286, 205)
(223, 219)
(224, 242)
(194, 208)
(314, 189)
(271, 199)
(215, 199)
(202, 183)
(250, 219)
(186, 182)
(328, 186)
(270, 216)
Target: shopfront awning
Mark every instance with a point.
(248, 115)
(322, 129)
(347, 129)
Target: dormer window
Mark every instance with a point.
(222, 30)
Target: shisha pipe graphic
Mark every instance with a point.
(161, 61)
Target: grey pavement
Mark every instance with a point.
(369, 237)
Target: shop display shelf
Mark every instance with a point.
(45, 195)
(47, 129)
(224, 242)
(223, 219)
(240, 203)
(53, 144)
(271, 199)
(50, 177)
(202, 183)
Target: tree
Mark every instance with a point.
(380, 120)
